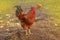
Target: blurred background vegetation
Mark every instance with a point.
(51, 6)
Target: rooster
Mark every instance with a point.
(26, 19)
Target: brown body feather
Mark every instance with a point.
(27, 19)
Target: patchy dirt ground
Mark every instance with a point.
(42, 30)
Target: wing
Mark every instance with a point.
(30, 16)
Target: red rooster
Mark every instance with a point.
(26, 19)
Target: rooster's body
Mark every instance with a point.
(26, 19)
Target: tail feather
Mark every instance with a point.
(18, 10)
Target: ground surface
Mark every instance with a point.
(42, 30)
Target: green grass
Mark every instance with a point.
(52, 6)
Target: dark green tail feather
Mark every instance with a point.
(19, 9)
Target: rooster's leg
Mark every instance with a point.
(29, 31)
(26, 32)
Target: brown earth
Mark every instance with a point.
(42, 30)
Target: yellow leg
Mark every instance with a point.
(26, 32)
(29, 31)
